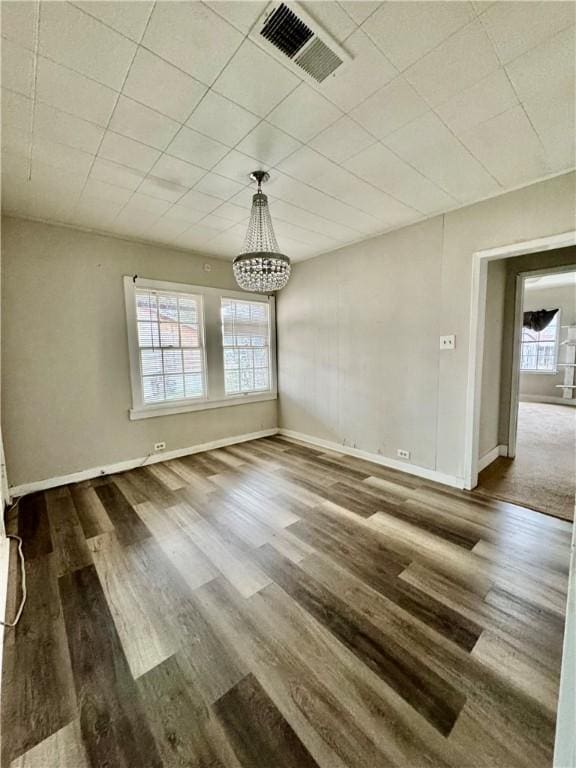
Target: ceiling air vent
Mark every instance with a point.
(295, 35)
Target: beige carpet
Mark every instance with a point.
(543, 474)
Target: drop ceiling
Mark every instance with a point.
(144, 119)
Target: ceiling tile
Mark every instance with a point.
(234, 213)
(177, 171)
(222, 119)
(456, 64)
(304, 113)
(113, 173)
(515, 27)
(163, 190)
(368, 71)
(331, 17)
(306, 165)
(390, 108)
(217, 222)
(432, 149)
(133, 222)
(192, 37)
(281, 210)
(552, 114)
(192, 146)
(18, 21)
(243, 15)
(51, 123)
(17, 68)
(483, 100)
(379, 166)
(167, 229)
(125, 151)
(16, 122)
(140, 202)
(143, 124)
(342, 140)
(85, 45)
(237, 166)
(508, 147)
(163, 87)
(218, 186)
(127, 17)
(95, 212)
(196, 236)
(359, 10)
(198, 201)
(405, 32)
(255, 80)
(99, 190)
(268, 144)
(183, 213)
(74, 93)
(546, 67)
(60, 156)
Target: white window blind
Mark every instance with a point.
(246, 346)
(539, 349)
(170, 342)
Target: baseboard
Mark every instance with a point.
(547, 399)
(488, 458)
(123, 466)
(565, 741)
(4, 565)
(376, 458)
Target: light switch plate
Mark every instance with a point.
(448, 342)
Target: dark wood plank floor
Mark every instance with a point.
(269, 605)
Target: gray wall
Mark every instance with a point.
(66, 383)
(359, 359)
(564, 297)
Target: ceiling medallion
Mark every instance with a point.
(260, 266)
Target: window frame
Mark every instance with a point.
(540, 372)
(215, 396)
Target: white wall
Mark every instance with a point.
(536, 385)
(66, 382)
(359, 359)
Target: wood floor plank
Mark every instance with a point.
(38, 695)
(63, 749)
(91, 512)
(68, 538)
(33, 526)
(114, 729)
(272, 604)
(185, 729)
(257, 730)
(425, 691)
(128, 526)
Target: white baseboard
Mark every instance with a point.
(547, 399)
(376, 458)
(122, 466)
(488, 458)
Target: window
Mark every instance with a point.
(193, 347)
(539, 349)
(246, 346)
(170, 345)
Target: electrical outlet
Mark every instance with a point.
(402, 454)
(448, 342)
(159, 446)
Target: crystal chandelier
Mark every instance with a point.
(260, 266)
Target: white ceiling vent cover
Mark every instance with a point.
(293, 35)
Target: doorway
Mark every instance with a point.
(539, 469)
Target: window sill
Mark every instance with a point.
(150, 412)
(540, 373)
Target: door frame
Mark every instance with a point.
(480, 261)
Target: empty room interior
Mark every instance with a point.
(288, 360)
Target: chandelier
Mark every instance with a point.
(260, 266)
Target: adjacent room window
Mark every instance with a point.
(539, 349)
(170, 343)
(193, 347)
(246, 346)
